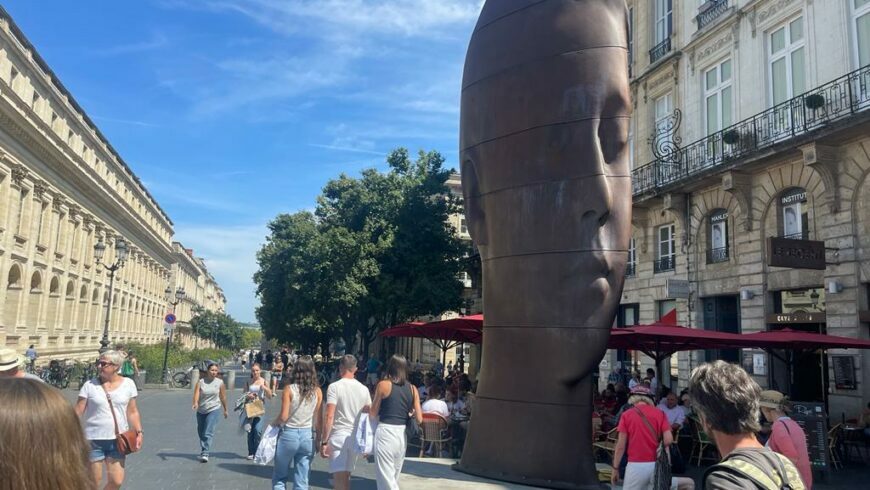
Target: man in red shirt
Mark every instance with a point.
(640, 428)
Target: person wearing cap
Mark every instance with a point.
(786, 436)
(12, 364)
(640, 428)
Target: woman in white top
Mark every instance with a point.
(209, 396)
(256, 387)
(99, 424)
(300, 401)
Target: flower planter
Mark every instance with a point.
(814, 101)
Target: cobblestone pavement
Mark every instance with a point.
(169, 458)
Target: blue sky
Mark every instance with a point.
(232, 111)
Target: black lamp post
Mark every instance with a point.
(179, 295)
(121, 251)
(461, 362)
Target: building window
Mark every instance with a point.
(718, 251)
(795, 222)
(631, 263)
(666, 307)
(787, 67)
(13, 77)
(664, 107)
(22, 202)
(717, 97)
(861, 16)
(42, 209)
(666, 249)
(664, 12)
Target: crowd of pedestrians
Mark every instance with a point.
(722, 399)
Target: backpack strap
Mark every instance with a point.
(656, 435)
(777, 480)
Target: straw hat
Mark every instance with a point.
(772, 399)
(9, 359)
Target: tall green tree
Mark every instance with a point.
(378, 250)
(224, 331)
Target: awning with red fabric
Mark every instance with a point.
(661, 340)
(789, 339)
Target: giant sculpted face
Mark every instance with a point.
(544, 124)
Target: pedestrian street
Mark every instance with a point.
(169, 458)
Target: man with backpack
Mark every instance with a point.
(726, 400)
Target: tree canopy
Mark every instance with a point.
(376, 251)
(224, 331)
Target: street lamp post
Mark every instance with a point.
(179, 295)
(121, 251)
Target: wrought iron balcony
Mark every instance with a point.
(630, 269)
(717, 255)
(710, 10)
(816, 109)
(659, 50)
(801, 235)
(665, 264)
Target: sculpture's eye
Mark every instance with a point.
(613, 139)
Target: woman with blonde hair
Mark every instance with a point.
(38, 425)
(107, 406)
(300, 403)
(255, 388)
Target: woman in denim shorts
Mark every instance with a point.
(99, 425)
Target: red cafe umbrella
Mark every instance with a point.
(789, 339)
(446, 334)
(661, 340)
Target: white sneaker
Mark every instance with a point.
(250, 456)
(204, 458)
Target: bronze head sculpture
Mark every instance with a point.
(546, 181)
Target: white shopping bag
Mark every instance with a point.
(266, 449)
(364, 438)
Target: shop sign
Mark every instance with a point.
(796, 318)
(759, 364)
(677, 288)
(718, 216)
(796, 254)
(844, 372)
(793, 195)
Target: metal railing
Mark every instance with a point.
(717, 255)
(801, 235)
(709, 14)
(664, 264)
(660, 50)
(815, 109)
(630, 269)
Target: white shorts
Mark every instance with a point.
(639, 476)
(344, 451)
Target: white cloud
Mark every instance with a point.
(230, 255)
(157, 41)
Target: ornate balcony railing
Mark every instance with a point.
(660, 50)
(801, 235)
(664, 264)
(709, 14)
(630, 269)
(717, 255)
(815, 109)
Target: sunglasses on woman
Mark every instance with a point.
(104, 364)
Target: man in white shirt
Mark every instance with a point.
(345, 400)
(435, 404)
(675, 413)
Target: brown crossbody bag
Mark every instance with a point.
(126, 441)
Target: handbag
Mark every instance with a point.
(662, 474)
(266, 449)
(255, 408)
(126, 441)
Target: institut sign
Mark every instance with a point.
(796, 254)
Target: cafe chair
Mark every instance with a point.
(834, 435)
(608, 445)
(435, 434)
(701, 444)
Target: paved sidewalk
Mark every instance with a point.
(169, 458)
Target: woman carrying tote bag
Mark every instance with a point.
(256, 390)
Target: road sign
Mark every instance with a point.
(169, 318)
(167, 330)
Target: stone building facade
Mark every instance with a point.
(63, 189)
(201, 291)
(751, 122)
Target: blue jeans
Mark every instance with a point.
(255, 435)
(294, 446)
(205, 424)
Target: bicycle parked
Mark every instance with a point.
(56, 374)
